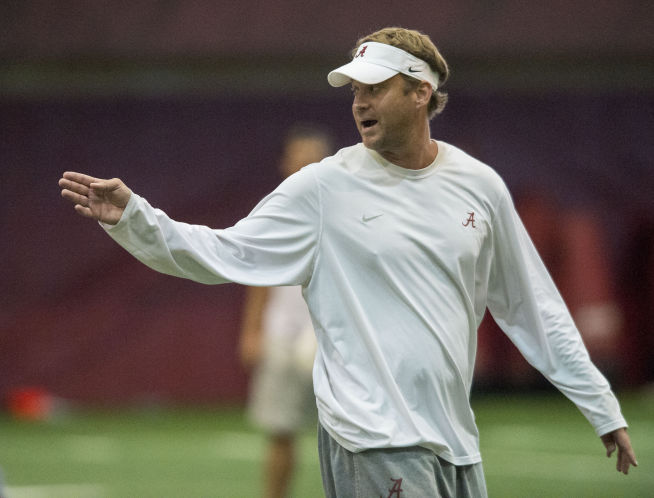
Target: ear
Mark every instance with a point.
(423, 94)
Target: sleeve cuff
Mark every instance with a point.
(605, 429)
(127, 212)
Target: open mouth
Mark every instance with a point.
(368, 123)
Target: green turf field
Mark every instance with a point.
(532, 447)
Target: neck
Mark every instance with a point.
(417, 152)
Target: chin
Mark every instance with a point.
(370, 142)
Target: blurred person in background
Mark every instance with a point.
(400, 242)
(278, 344)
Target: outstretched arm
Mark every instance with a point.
(102, 200)
(620, 439)
(274, 245)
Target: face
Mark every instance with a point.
(386, 114)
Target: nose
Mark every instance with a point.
(359, 103)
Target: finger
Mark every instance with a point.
(626, 457)
(80, 178)
(106, 185)
(85, 211)
(73, 186)
(75, 198)
(623, 462)
(609, 443)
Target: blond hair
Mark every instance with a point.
(421, 46)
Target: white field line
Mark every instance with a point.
(92, 449)
(245, 446)
(56, 491)
(234, 445)
(251, 447)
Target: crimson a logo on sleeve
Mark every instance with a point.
(361, 51)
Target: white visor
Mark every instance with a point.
(376, 62)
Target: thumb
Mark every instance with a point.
(609, 443)
(114, 190)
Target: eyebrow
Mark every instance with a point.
(380, 84)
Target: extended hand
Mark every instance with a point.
(626, 456)
(102, 200)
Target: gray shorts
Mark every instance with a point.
(281, 397)
(394, 473)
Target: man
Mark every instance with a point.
(278, 343)
(400, 243)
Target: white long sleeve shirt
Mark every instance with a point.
(397, 268)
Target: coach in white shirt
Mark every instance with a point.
(400, 243)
